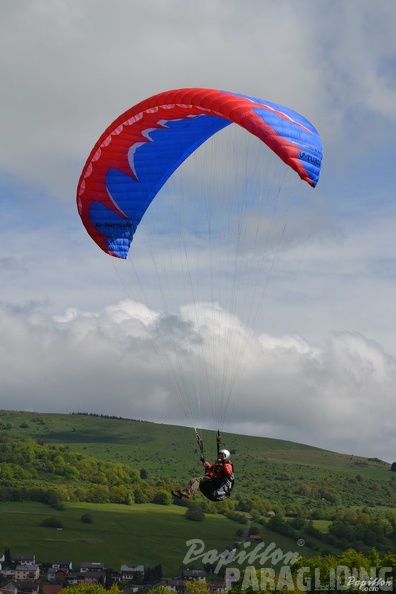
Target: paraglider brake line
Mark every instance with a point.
(200, 442)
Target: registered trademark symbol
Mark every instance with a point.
(301, 542)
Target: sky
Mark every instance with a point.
(74, 338)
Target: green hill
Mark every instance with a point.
(282, 473)
(82, 463)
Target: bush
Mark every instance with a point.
(86, 519)
(140, 496)
(195, 513)
(162, 498)
(52, 522)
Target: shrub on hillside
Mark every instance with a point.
(236, 516)
(195, 512)
(162, 498)
(52, 522)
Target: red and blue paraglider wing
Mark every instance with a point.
(143, 147)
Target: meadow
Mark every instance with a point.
(144, 534)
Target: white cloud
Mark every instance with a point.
(338, 397)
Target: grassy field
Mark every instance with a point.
(279, 472)
(321, 525)
(140, 534)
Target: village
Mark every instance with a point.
(26, 576)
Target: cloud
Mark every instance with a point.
(337, 397)
(129, 361)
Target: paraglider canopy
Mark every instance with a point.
(141, 149)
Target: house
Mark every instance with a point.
(216, 586)
(27, 587)
(130, 572)
(51, 575)
(74, 578)
(59, 569)
(91, 566)
(193, 574)
(64, 564)
(27, 571)
(8, 574)
(51, 588)
(130, 589)
(9, 588)
(24, 559)
(86, 577)
(56, 574)
(94, 577)
(175, 584)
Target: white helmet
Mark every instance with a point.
(224, 454)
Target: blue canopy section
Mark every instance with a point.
(304, 135)
(153, 162)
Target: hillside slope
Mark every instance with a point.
(278, 472)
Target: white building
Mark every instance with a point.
(129, 572)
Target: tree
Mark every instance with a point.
(152, 575)
(90, 589)
(195, 512)
(53, 498)
(119, 494)
(159, 590)
(196, 587)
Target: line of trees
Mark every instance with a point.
(37, 471)
(360, 530)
